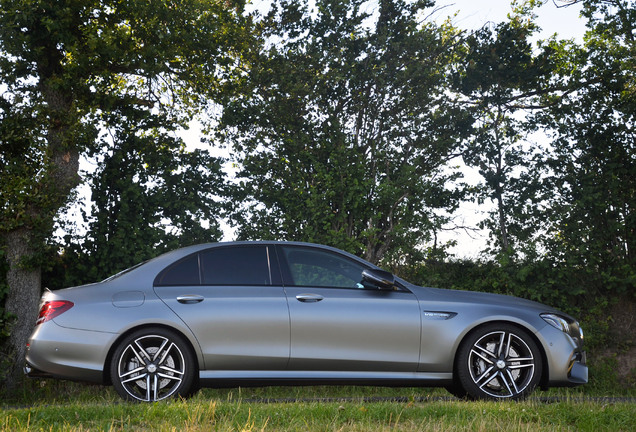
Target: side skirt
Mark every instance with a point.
(234, 378)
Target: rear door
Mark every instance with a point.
(234, 306)
(337, 325)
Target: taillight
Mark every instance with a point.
(51, 309)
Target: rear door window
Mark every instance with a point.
(237, 265)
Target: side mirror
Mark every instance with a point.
(378, 279)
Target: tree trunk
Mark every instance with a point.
(503, 228)
(22, 301)
(23, 242)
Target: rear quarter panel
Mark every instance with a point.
(101, 312)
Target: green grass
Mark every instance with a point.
(54, 406)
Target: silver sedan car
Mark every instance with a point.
(264, 313)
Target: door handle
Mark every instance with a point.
(190, 299)
(309, 298)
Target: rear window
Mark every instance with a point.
(183, 272)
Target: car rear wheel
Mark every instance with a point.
(151, 365)
(499, 361)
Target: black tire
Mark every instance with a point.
(456, 390)
(152, 364)
(498, 361)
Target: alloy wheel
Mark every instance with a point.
(151, 367)
(501, 364)
(499, 361)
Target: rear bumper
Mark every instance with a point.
(31, 372)
(60, 352)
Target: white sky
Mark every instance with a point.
(474, 13)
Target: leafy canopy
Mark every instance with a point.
(345, 129)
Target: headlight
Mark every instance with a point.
(557, 322)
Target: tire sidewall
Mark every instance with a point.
(187, 385)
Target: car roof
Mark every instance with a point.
(155, 265)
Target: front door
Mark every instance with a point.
(337, 325)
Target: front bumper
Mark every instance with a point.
(566, 360)
(578, 368)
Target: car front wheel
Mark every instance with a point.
(499, 361)
(151, 365)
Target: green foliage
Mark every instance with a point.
(66, 65)
(150, 195)
(344, 133)
(590, 189)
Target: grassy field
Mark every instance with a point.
(56, 406)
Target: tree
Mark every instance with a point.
(62, 65)
(592, 223)
(502, 80)
(150, 194)
(347, 128)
